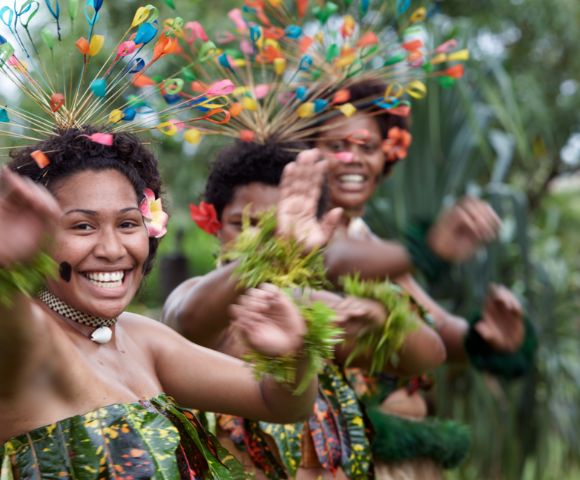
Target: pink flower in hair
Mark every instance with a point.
(152, 211)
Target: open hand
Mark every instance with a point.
(355, 314)
(502, 325)
(300, 188)
(268, 321)
(462, 229)
(27, 210)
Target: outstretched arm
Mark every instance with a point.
(26, 212)
(199, 308)
(269, 323)
(501, 325)
(373, 259)
(422, 349)
(455, 237)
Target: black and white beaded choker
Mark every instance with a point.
(102, 333)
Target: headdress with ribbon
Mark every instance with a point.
(290, 63)
(86, 78)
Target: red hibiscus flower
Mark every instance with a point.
(396, 145)
(206, 217)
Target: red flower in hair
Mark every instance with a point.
(396, 145)
(206, 217)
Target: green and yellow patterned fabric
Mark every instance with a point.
(152, 439)
(336, 427)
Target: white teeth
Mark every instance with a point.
(107, 284)
(352, 178)
(106, 276)
(106, 279)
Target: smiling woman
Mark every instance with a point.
(72, 361)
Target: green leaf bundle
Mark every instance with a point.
(319, 342)
(402, 318)
(266, 258)
(27, 278)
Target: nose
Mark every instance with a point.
(345, 157)
(110, 245)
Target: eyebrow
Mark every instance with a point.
(93, 213)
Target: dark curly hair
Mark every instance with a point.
(241, 164)
(246, 162)
(70, 152)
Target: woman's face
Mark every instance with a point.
(103, 237)
(356, 160)
(255, 198)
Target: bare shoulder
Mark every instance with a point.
(173, 302)
(140, 324)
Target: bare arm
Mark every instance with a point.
(25, 344)
(199, 307)
(270, 323)
(422, 349)
(451, 328)
(374, 259)
(455, 237)
(26, 212)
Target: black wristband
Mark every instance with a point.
(506, 365)
(423, 257)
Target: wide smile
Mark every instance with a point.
(107, 283)
(352, 182)
(106, 279)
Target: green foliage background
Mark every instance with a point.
(499, 134)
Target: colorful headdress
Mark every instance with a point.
(69, 84)
(291, 62)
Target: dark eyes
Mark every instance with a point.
(125, 224)
(369, 147)
(337, 146)
(130, 224)
(83, 226)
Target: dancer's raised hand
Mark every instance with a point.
(463, 228)
(27, 211)
(268, 321)
(502, 325)
(300, 190)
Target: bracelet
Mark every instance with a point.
(27, 278)
(265, 258)
(422, 256)
(506, 365)
(402, 318)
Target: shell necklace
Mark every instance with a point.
(102, 333)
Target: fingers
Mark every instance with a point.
(504, 299)
(330, 223)
(23, 191)
(484, 221)
(261, 300)
(309, 157)
(304, 176)
(489, 332)
(502, 323)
